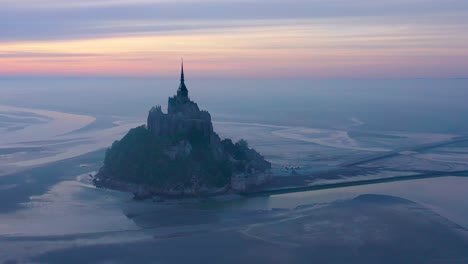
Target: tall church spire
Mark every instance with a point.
(182, 72)
(182, 92)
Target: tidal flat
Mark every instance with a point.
(51, 213)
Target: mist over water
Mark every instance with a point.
(419, 105)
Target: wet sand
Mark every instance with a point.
(17, 188)
(51, 214)
(367, 229)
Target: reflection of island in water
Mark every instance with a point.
(179, 154)
(365, 229)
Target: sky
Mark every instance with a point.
(235, 38)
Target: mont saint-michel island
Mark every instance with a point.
(178, 154)
(308, 131)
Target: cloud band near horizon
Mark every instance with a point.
(235, 38)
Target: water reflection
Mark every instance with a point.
(446, 196)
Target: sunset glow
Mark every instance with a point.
(371, 41)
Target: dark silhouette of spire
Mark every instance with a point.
(182, 72)
(182, 91)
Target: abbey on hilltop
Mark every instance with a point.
(183, 116)
(178, 154)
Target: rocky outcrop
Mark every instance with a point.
(145, 191)
(181, 149)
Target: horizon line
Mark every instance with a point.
(223, 77)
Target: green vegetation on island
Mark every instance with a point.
(141, 158)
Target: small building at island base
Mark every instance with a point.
(245, 182)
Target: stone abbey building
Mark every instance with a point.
(184, 118)
(182, 115)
